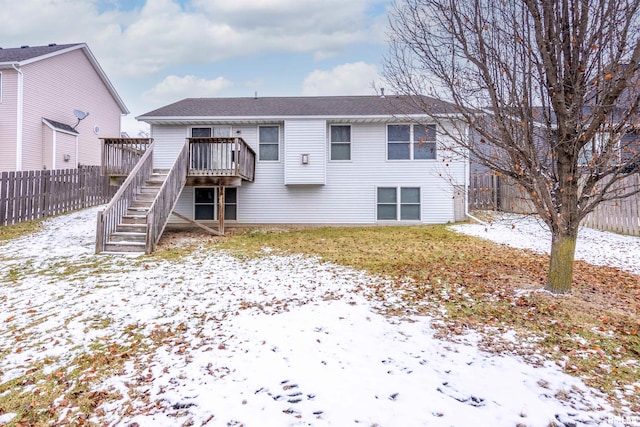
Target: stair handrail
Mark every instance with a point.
(110, 216)
(165, 201)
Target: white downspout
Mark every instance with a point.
(467, 177)
(19, 117)
(53, 149)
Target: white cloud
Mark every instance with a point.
(346, 79)
(174, 88)
(162, 33)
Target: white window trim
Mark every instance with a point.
(210, 127)
(350, 143)
(279, 142)
(411, 142)
(399, 204)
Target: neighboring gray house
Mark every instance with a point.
(309, 160)
(44, 90)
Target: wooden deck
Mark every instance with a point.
(211, 161)
(136, 216)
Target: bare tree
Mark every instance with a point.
(549, 88)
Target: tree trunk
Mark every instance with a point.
(563, 248)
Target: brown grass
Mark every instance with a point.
(592, 332)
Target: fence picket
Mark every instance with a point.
(621, 216)
(29, 195)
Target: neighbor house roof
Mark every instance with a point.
(279, 107)
(21, 56)
(60, 126)
(24, 53)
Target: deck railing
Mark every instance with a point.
(108, 218)
(121, 155)
(221, 157)
(166, 199)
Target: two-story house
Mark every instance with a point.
(55, 104)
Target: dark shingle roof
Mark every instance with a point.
(20, 54)
(300, 106)
(61, 126)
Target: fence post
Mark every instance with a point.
(4, 188)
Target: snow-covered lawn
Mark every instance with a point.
(593, 246)
(274, 341)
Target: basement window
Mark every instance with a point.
(408, 208)
(206, 204)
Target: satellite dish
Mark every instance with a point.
(80, 115)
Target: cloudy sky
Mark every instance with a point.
(159, 51)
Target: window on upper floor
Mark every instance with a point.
(408, 208)
(340, 142)
(411, 142)
(268, 142)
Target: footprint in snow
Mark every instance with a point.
(290, 393)
(469, 399)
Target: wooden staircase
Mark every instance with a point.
(136, 216)
(130, 234)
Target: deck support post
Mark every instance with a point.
(221, 209)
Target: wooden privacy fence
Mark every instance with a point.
(29, 195)
(620, 216)
(490, 192)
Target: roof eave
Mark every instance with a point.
(350, 117)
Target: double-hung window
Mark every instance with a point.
(424, 141)
(340, 142)
(398, 203)
(411, 142)
(268, 142)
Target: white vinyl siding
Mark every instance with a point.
(349, 195)
(168, 140)
(305, 138)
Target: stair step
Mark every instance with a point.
(127, 236)
(137, 203)
(145, 197)
(134, 219)
(119, 247)
(132, 228)
(154, 182)
(137, 210)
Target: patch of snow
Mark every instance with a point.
(593, 246)
(278, 340)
